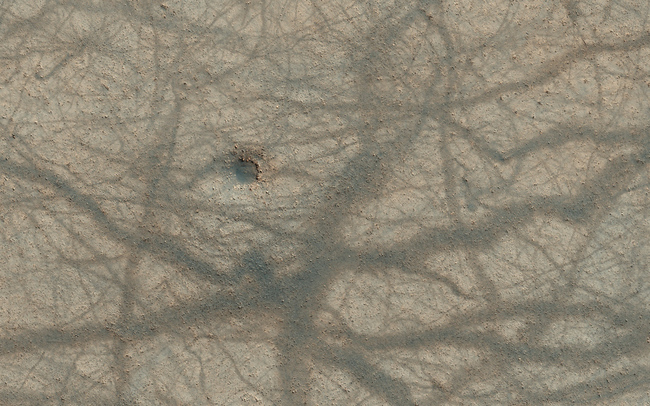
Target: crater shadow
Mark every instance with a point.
(245, 172)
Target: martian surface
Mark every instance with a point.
(324, 202)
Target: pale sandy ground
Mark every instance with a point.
(452, 204)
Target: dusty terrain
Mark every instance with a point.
(324, 202)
